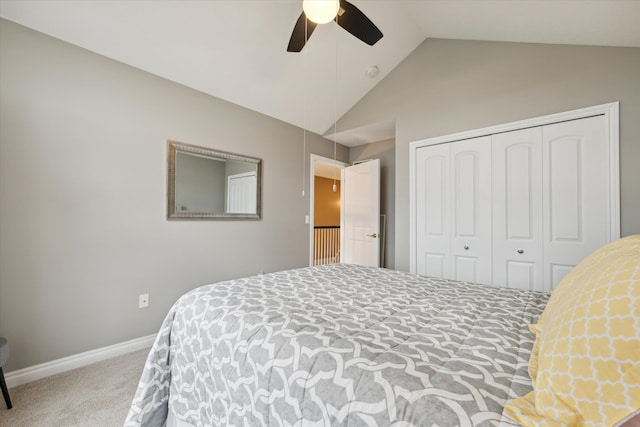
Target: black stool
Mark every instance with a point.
(4, 356)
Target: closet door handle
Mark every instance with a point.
(520, 251)
(466, 248)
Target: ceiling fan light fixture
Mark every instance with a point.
(321, 11)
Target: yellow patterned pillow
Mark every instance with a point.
(588, 345)
(561, 293)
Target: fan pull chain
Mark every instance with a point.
(304, 116)
(335, 109)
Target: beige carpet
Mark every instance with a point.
(96, 395)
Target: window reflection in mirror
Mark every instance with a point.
(209, 184)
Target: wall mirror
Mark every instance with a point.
(209, 184)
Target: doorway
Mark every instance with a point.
(324, 211)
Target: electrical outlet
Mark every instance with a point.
(143, 301)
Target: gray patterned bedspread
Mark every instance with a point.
(339, 345)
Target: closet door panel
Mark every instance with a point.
(471, 210)
(521, 274)
(433, 218)
(575, 180)
(517, 209)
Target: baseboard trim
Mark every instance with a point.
(43, 370)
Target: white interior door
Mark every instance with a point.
(471, 210)
(453, 187)
(241, 193)
(517, 213)
(433, 203)
(360, 214)
(554, 197)
(576, 182)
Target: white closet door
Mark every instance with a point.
(471, 210)
(517, 209)
(552, 199)
(575, 179)
(432, 208)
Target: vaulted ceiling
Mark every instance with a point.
(236, 49)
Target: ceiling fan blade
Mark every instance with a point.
(357, 23)
(298, 39)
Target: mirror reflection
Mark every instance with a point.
(209, 184)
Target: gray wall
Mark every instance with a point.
(83, 227)
(448, 86)
(386, 152)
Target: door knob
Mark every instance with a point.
(466, 248)
(374, 235)
(520, 251)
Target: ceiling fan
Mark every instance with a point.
(345, 14)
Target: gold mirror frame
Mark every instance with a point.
(173, 147)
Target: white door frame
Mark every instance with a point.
(312, 172)
(611, 114)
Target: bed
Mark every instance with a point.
(339, 345)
